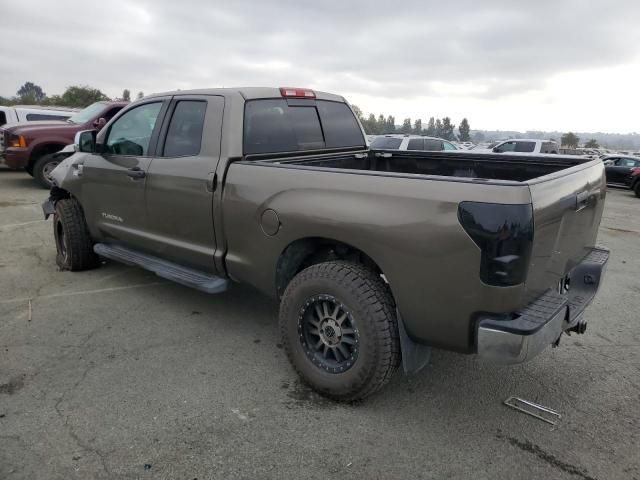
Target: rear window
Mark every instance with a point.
(431, 145)
(43, 116)
(273, 125)
(3, 118)
(386, 143)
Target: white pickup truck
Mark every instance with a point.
(29, 113)
(525, 145)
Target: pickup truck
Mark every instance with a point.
(30, 113)
(33, 145)
(524, 146)
(376, 256)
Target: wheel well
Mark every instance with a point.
(58, 193)
(310, 251)
(41, 150)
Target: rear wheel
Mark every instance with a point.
(636, 189)
(339, 329)
(29, 170)
(43, 167)
(73, 244)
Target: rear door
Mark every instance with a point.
(181, 181)
(114, 180)
(567, 207)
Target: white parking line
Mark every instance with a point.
(83, 292)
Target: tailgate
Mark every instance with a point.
(567, 207)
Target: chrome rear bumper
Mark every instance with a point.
(526, 333)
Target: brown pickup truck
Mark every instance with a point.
(33, 145)
(377, 256)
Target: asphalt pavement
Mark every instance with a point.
(116, 373)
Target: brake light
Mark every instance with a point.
(504, 234)
(635, 171)
(291, 92)
(16, 141)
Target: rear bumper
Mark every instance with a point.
(529, 331)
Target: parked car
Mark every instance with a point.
(376, 255)
(33, 145)
(30, 113)
(634, 181)
(618, 169)
(524, 145)
(418, 143)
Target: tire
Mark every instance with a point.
(29, 170)
(43, 167)
(362, 301)
(636, 189)
(74, 246)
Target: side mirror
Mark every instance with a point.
(99, 123)
(85, 141)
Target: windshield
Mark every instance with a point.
(83, 116)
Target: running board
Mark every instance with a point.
(171, 271)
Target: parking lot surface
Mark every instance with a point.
(116, 373)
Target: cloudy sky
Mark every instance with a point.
(504, 64)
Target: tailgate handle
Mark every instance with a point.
(582, 199)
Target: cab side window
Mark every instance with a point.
(506, 147)
(184, 135)
(525, 147)
(416, 144)
(131, 133)
(448, 146)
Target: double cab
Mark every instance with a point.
(377, 256)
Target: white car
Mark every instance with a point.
(411, 142)
(30, 113)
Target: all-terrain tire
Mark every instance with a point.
(43, 166)
(367, 300)
(73, 243)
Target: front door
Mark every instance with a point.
(181, 181)
(114, 179)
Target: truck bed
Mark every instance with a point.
(516, 168)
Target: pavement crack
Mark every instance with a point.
(548, 458)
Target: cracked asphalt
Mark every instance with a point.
(115, 373)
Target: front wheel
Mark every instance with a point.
(43, 167)
(73, 244)
(339, 329)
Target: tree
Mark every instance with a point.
(381, 124)
(82, 96)
(463, 131)
(126, 96)
(417, 126)
(438, 128)
(431, 127)
(447, 129)
(391, 125)
(371, 125)
(593, 143)
(31, 93)
(5, 101)
(406, 126)
(570, 140)
(140, 95)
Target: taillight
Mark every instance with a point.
(297, 92)
(12, 140)
(504, 234)
(635, 171)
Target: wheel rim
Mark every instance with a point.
(47, 169)
(328, 334)
(61, 240)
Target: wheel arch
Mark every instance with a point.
(305, 252)
(44, 148)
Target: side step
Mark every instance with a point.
(169, 270)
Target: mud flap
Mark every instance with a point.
(414, 355)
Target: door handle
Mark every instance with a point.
(136, 172)
(582, 199)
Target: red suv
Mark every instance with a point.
(33, 145)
